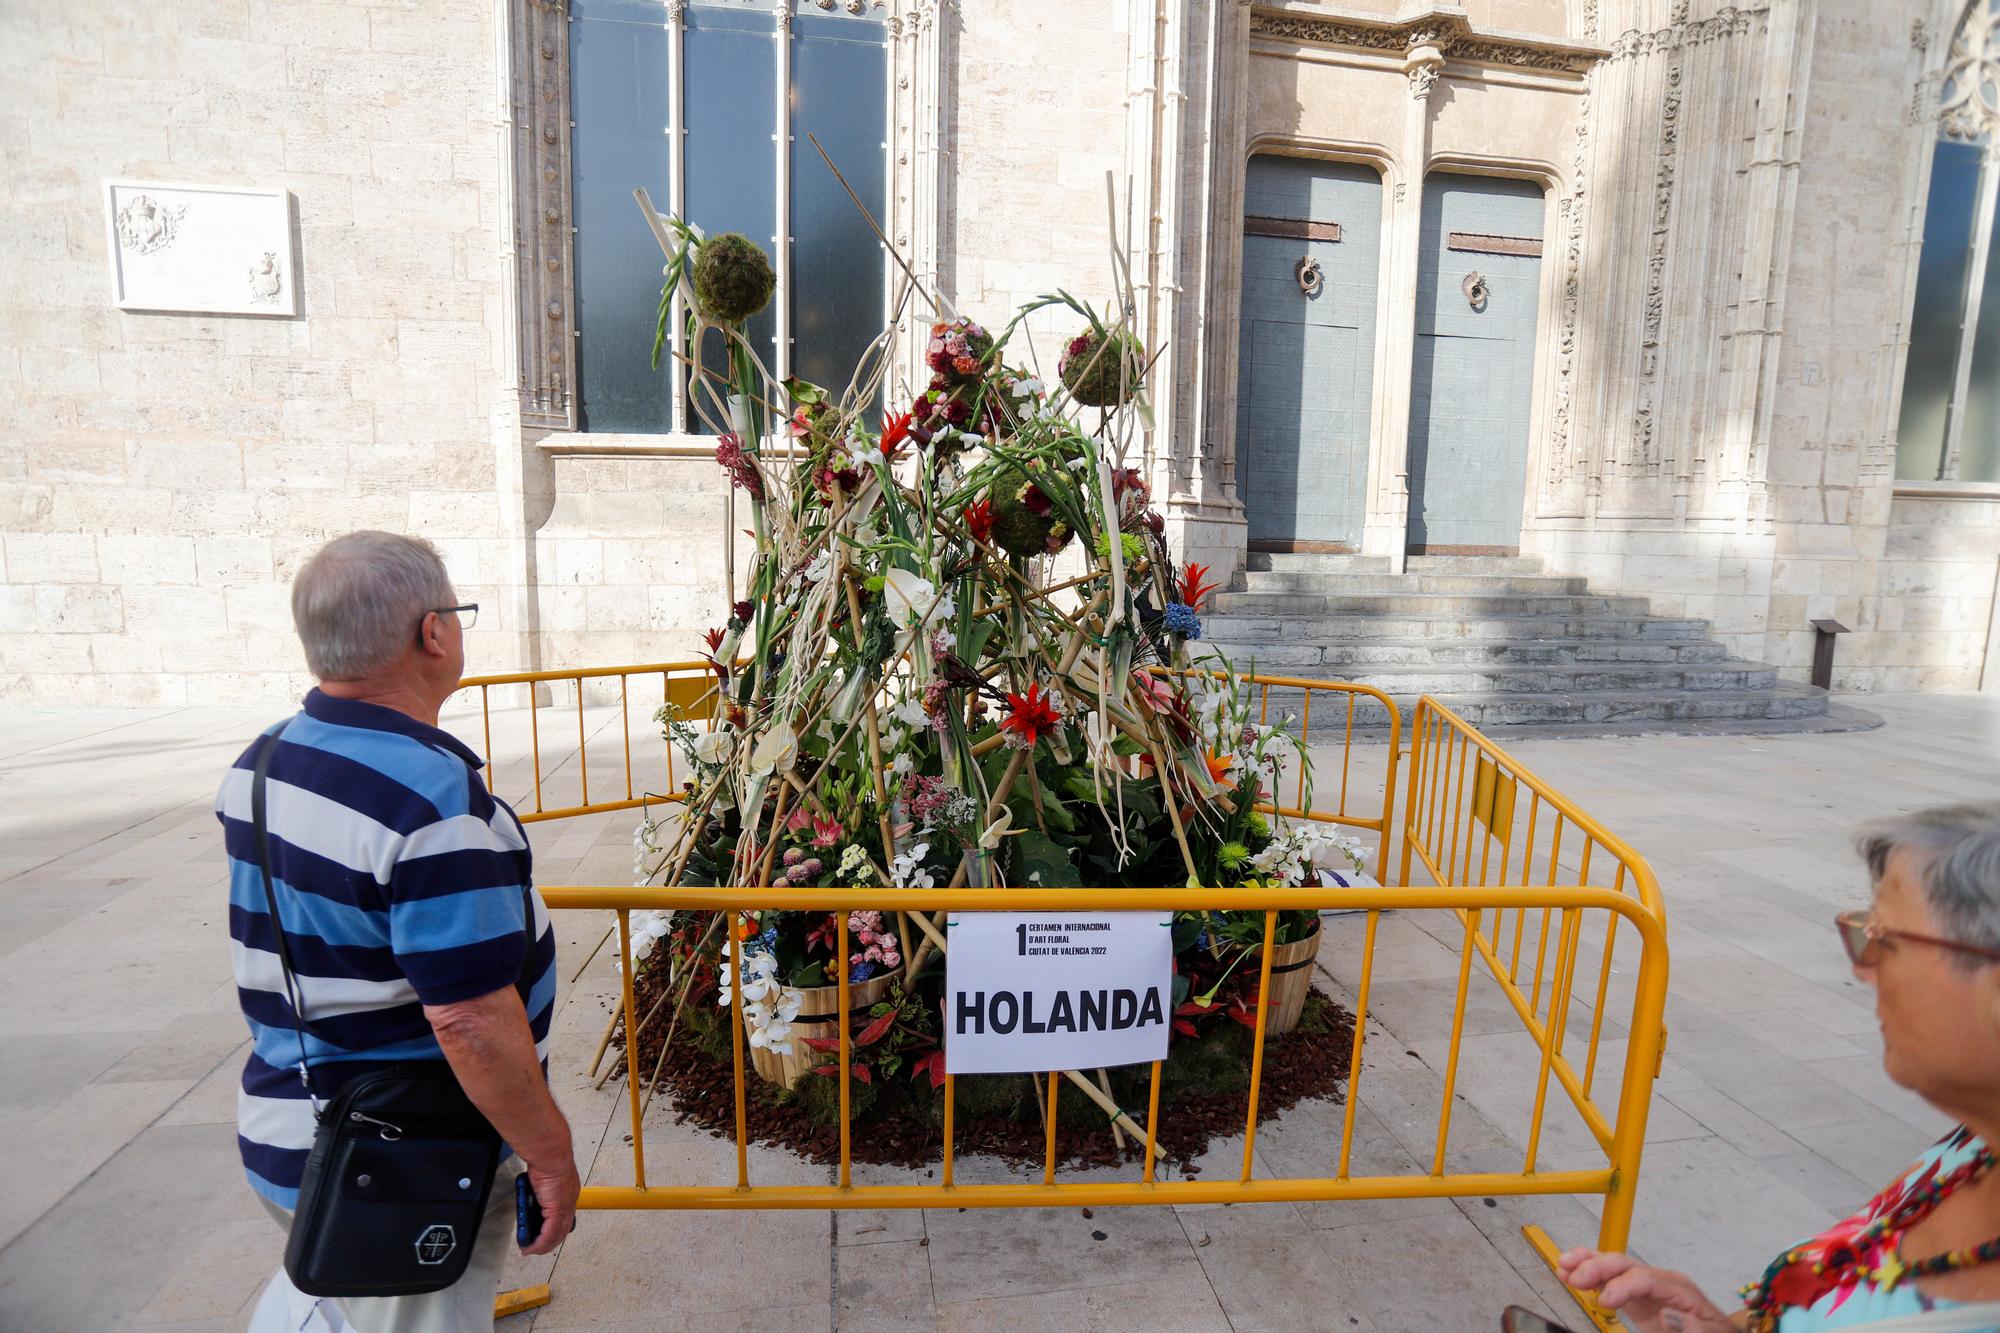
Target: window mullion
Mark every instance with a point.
(1968, 329)
(781, 242)
(677, 203)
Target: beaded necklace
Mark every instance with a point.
(1870, 1254)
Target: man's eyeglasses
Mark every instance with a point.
(1863, 940)
(468, 615)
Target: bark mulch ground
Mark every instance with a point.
(904, 1129)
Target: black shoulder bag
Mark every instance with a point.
(402, 1163)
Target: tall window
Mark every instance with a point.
(1950, 425)
(709, 108)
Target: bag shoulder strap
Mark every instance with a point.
(258, 808)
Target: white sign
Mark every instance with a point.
(1033, 991)
(205, 249)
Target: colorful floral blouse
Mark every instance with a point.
(1851, 1274)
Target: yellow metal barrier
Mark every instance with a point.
(690, 687)
(1469, 798)
(1499, 846)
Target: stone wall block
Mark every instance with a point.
(78, 609)
(51, 558)
(224, 560)
(147, 559)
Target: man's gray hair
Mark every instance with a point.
(1958, 862)
(359, 599)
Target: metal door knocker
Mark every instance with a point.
(1309, 276)
(1474, 288)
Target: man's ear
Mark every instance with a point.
(428, 641)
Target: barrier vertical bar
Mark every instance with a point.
(1305, 733)
(1551, 1036)
(535, 745)
(486, 715)
(1360, 1031)
(1457, 1035)
(582, 754)
(631, 1045)
(1152, 1122)
(1527, 857)
(1419, 727)
(1542, 948)
(1603, 985)
(735, 925)
(846, 1038)
(1257, 1050)
(1049, 1148)
(950, 1096)
(625, 720)
(1389, 792)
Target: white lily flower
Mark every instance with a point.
(909, 596)
(903, 766)
(776, 752)
(864, 454)
(911, 714)
(990, 839)
(821, 566)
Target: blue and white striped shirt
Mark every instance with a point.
(400, 881)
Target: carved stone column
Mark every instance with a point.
(538, 112)
(1386, 530)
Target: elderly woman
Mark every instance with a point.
(1930, 946)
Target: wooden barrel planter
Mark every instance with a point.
(819, 1013)
(1291, 978)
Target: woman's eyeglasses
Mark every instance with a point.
(1863, 940)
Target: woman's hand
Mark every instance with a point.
(1656, 1300)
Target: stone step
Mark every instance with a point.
(1327, 564)
(1361, 653)
(1473, 564)
(1411, 679)
(1486, 585)
(1243, 632)
(1614, 707)
(1392, 604)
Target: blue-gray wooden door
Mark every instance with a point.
(1472, 376)
(1306, 363)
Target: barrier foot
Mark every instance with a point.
(519, 1299)
(1542, 1245)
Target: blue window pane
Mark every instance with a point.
(1949, 217)
(730, 60)
(840, 95)
(1979, 442)
(619, 90)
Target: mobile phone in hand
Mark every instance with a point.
(1518, 1319)
(527, 1212)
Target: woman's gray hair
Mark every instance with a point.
(1958, 863)
(359, 599)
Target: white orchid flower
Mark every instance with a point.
(865, 454)
(776, 752)
(911, 714)
(909, 596)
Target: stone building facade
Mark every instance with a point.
(1627, 285)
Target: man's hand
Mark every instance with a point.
(490, 1048)
(1656, 1300)
(556, 1190)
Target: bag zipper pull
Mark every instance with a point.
(390, 1133)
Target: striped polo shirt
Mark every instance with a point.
(400, 882)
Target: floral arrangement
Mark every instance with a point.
(960, 657)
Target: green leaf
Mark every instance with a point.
(1035, 855)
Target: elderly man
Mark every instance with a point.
(404, 889)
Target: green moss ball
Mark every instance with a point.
(732, 278)
(1102, 369)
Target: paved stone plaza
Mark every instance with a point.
(124, 1206)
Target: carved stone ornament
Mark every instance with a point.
(1683, 33)
(146, 226)
(1309, 277)
(1474, 286)
(1969, 90)
(1450, 34)
(1422, 79)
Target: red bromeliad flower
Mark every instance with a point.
(979, 520)
(894, 431)
(1193, 589)
(714, 640)
(1031, 714)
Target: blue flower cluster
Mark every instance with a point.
(769, 939)
(862, 971)
(1181, 620)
